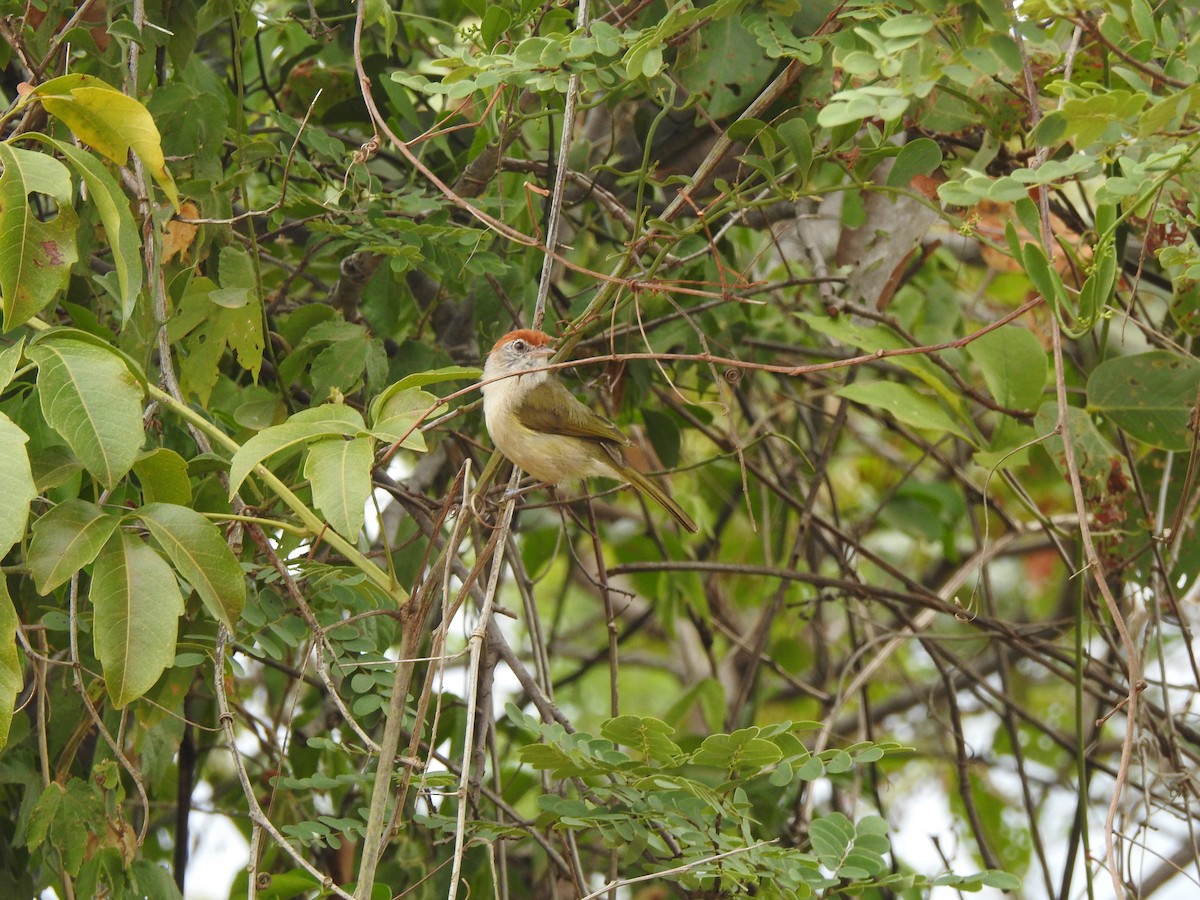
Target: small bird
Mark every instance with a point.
(539, 425)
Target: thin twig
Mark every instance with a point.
(677, 870)
(554, 219)
(477, 643)
(1094, 564)
(257, 816)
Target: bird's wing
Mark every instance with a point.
(551, 408)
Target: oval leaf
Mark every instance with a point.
(163, 475)
(919, 157)
(1013, 363)
(905, 404)
(307, 425)
(65, 540)
(90, 397)
(396, 412)
(200, 554)
(137, 608)
(340, 472)
(1149, 396)
(36, 263)
(108, 121)
(10, 358)
(11, 679)
(16, 484)
(119, 228)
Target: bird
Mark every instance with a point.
(543, 429)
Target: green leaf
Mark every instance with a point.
(868, 102)
(344, 365)
(11, 677)
(796, 135)
(200, 554)
(396, 413)
(1084, 121)
(340, 472)
(777, 39)
(812, 769)
(645, 735)
(1103, 470)
(708, 695)
(1045, 279)
(433, 376)
(152, 880)
(53, 466)
(552, 758)
(664, 435)
(16, 484)
(1167, 114)
(328, 420)
(831, 838)
(38, 254)
(1185, 304)
(879, 337)
(724, 65)
(137, 608)
(91, 398)
(782, 776)
(163, 475)
(1098, 287)
(119, 227)
(851, 851)
(919, 157)
(1149, 396)
(496, 21)
(905, 404)
(65, 540)
(110, 122)
(1003, 881)
(905, 26)
(652, 62)
(1013, 363)
(45, 810)
(204, 327)
(1030, 219)
(742, 749)
(837, 761)
(10, 358)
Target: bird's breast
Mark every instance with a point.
(548, 457)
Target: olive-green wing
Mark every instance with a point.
(551, 408)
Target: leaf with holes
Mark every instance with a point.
(119, 227)
(38, 252)
(1150, 396)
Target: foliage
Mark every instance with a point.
(903, 295)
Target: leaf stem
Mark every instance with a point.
(312, 523)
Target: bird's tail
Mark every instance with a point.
(658, 495)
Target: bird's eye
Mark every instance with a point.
(519, 346)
